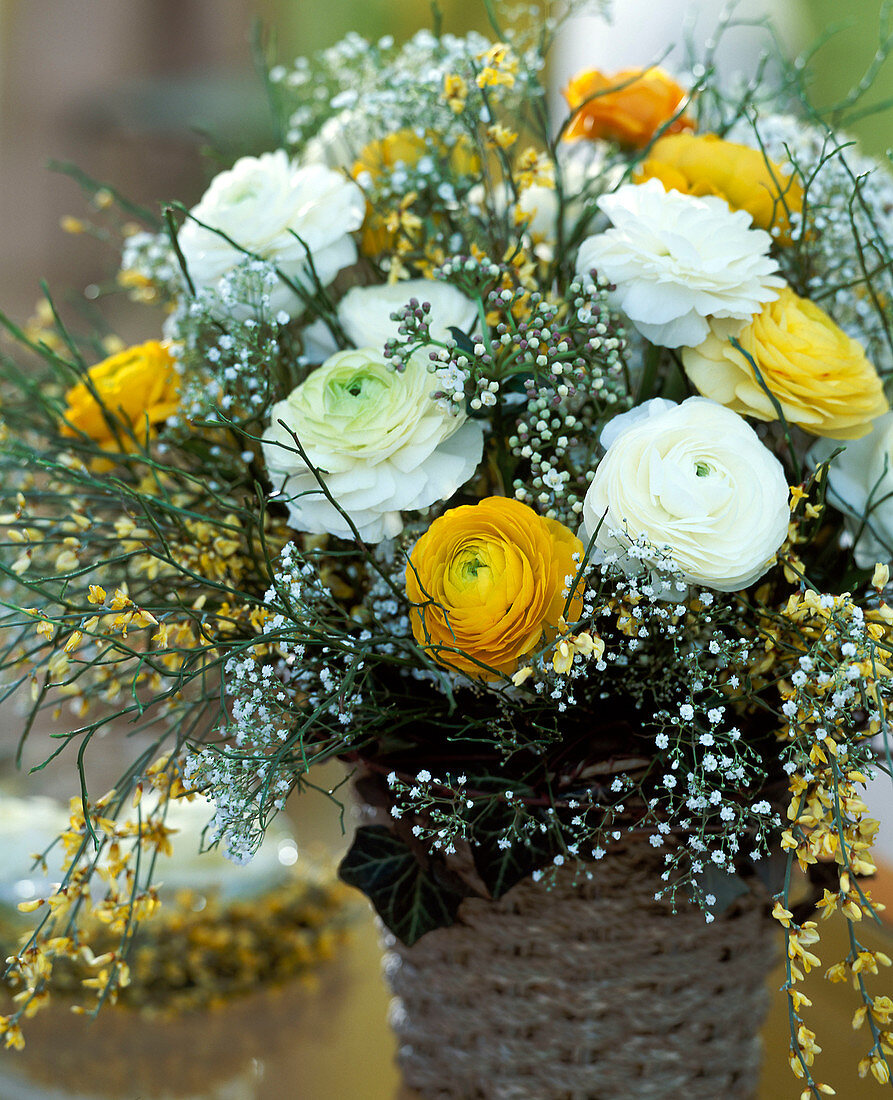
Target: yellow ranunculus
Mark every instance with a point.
(489, 585)
(707, 165)
(819, 376)
(138, 387)
(628, 107)
(405, 147)
(408, 147)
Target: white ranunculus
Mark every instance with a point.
(692, 480)
(537, 208)
(365, 311)
(264, 204)
(383, 445)
(584, 176)
(860, 483)
(677, 260)
(365, 315)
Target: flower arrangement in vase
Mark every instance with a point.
(533, 464)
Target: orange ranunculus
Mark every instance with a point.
(138, 387)
(489, 585)
(709, 165)
(628, 107)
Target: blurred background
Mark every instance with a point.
(130, 90)
(133, 91)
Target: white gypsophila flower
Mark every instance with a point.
(677, 260)
(364, 314)
(839, 234)
(695, 481)
(382, 443)
(860, 483)
(291, 216)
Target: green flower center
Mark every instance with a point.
(349, 393)
(471, 570)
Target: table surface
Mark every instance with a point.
(332, 1042)
(329, 1043)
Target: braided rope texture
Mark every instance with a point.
(587, 992)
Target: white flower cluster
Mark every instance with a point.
(829, 672)
(444, 808)
(275, 699)
(706, 761)
(847, 194)
(358, 91)
(247, 782)
(150, 257)
(227, 371)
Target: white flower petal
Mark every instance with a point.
(676, 260)
(378, 439)
(695, 479)
(264, 204)
(365, 311)
(860, 483)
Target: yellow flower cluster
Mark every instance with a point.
(827, 815)
(455, 92)
(500, 66)
(119, 908)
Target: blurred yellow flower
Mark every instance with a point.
(138, 387)
(819, 376)
(455, 92)
(404, 147)
(628, 107)
(707, 165)
(489, 581)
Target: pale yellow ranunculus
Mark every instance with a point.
(819, 376)
(138, 387)
(708, 165)
(489, 583)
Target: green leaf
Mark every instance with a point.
(462, 341)
(405, 895)
(726, 887)
(501, 868)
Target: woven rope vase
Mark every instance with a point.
(595, 992)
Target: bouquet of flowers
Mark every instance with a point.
(535, 464)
